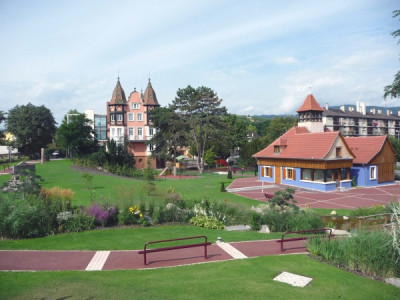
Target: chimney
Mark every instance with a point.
(363, 108)
(351, 108)
(373, 110)
(343, 108)
(326, 106)
(388, 112)
(379, 111)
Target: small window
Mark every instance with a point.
(151, 131)
(140, 117)
(130, 117)
(119, 117)
(112, 118)
(130, 132)
(277, 149)
(338, 151)
(135, 106)
(372, 173)
(140, 131)
(151, 147)
(290, 174)
(267, 172)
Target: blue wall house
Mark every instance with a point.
(310, 156)
(374, 161)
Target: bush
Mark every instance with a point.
(229, 173)
(255, 221)
(25, 218)
(291, 220)
(207, 222)
(77, 222)
(159, 215)
(104, 215)
(222, 189)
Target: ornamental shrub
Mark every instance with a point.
(104, 215)
(207, 222)
(255, 221)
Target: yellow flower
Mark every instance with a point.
(141, 215)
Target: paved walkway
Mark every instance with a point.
(349, 199)
(30, 260)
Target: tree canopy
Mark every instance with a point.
(170, 133)
(32, 126)
(393, 90)
(201, 111)
(75, 135)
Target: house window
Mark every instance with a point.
(372, 172)
(119, 117)
(140, 131)
(338, 151)
(112, 118)
(151, 147)
(112, 132)
(119, 132)
(135, 106)
(267, 172)
(140, 117)
(151, 131)
(290, 174)
(131, 133)
(130, 117)
(276, 149)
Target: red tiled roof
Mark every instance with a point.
(365, 148)
(301, 144)
(310, 104)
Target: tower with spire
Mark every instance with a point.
(310, 115)
(116, 114)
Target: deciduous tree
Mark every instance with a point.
(32, 126)
(393, 90)
(75, 135)
(202, 112)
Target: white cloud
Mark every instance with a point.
(286, 60)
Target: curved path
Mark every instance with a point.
(30, 260)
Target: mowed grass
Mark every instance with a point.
(59, 173)
(239, 279)
(128, 238)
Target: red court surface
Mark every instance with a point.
(348, 199)
(124, 260)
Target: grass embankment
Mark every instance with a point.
(239, 279)
(59, 173)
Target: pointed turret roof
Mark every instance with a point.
(118, 95)
(310, 104)
(149, 97)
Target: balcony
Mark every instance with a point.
(138, 138)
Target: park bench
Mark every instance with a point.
(268, 196)
(202, 244)
(300, 238)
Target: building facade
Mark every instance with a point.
(356, 121)
(312, 156)
(128, 119)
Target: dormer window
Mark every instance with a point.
(338, 151)
(135, 105)
(277, 149)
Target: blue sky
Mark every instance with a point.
(259, 56)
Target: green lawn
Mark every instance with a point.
(238, 279)
(59, 173)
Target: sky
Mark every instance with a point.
(260, 57)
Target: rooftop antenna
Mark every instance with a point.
(118, 74)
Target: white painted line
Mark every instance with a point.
(232, 251)
(98, 261)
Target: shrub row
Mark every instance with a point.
(369, 252)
